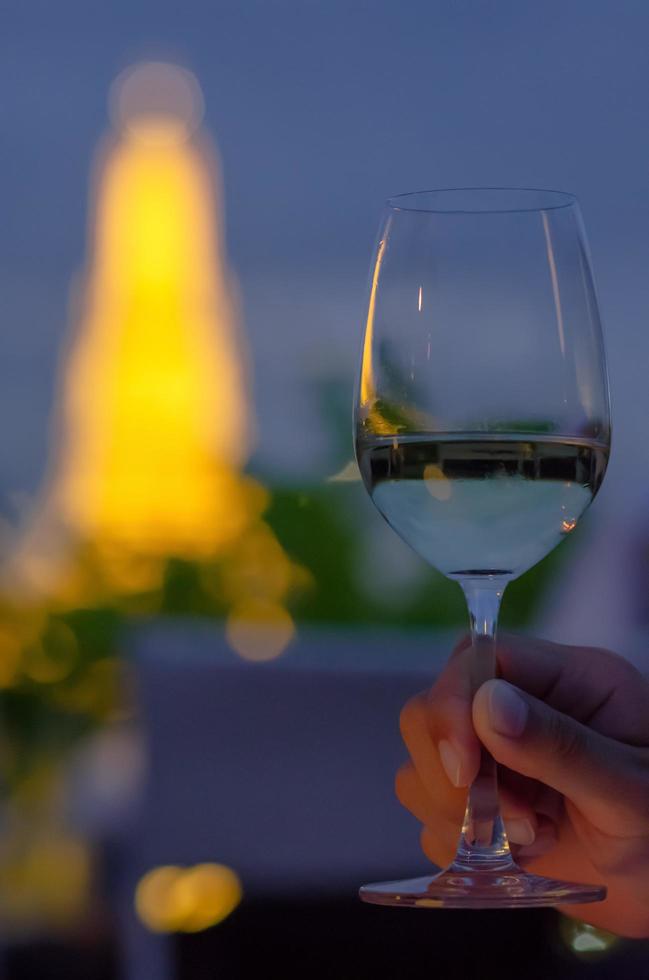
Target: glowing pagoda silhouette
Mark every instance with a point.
(154, 421)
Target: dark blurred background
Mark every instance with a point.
(205, 630)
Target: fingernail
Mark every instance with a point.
(451, 761)
(544, 842)
(520, 831)
(507, 709)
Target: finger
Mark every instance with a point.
(449, 718)
(444, 803)
(411, 793)
(596, 687)
(541, 799)
(603, 778)
(520, 819)
(423, 746)
(439, 844)
(544, 842)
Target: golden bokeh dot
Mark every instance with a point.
(212, 891)
(175, 899)
(156, 900)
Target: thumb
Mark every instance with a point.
(606, 780)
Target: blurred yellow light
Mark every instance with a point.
(368, 386)
(96, 691)
(258, 567)
(157, 902)
(44, 879)
(154, 420)
(213, 891)
(125, 571)
(154, 426)
(259, 630)
(173, 899)
(437, 484)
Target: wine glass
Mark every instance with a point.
(482, 434)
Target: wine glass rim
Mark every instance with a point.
(545, 199)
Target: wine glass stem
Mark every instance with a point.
(483, 841)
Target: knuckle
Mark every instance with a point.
(617, 667)
(453, 685)
(601, 652)
(628, 673)
(447, 712)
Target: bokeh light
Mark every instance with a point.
(45, 876)
(155, 101)
(52, 657)
(585, 941)
(259, 629)
(175, 899)
(156, 417)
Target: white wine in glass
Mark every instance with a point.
(482, 430)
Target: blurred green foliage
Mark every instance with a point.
(50, 706)
(71, 676)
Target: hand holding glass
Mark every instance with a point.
(482, 435)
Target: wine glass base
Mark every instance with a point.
(480, 890)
